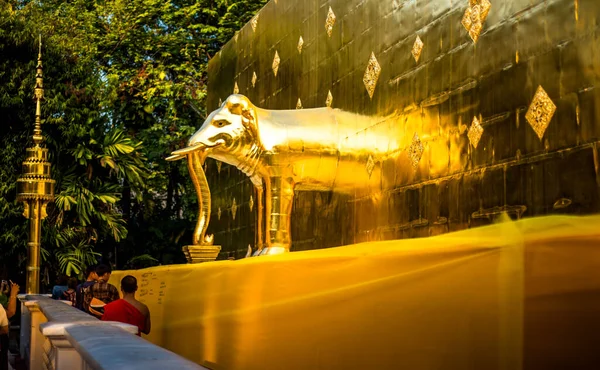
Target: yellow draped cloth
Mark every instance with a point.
(513, 295)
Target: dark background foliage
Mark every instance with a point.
(125, 84)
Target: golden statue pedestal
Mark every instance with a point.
(201, 253)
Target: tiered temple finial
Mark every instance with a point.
(35, 187)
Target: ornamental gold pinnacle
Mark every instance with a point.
(35, 187)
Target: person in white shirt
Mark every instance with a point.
(3, 321)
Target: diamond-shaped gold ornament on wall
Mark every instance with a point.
(254, 78)
(475, 132)
(254, 23)
(415, 151)
(233, 208)
(251, 203)
(329, 99)
(370, 166)
(329, 22)
(276, 62)
(417, 49)
(475, 16)
(372, 75)
(540, 112)
(236, 89)
(300, 44)
(299, 104)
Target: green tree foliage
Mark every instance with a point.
(125, 85)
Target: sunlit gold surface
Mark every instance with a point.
(512, 296)
(284, 151)
(35, 187)
(254, 23)
(522, 44)
(202, 249)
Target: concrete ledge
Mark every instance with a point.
(58, 312)
(105, 347)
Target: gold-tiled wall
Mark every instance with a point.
(468, 88)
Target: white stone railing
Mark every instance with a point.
(56, 336)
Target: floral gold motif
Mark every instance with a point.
(372, 75)
(370, 165)
(417, 49)
(300, 44)
(329, 22)
(474, 17)
(475, 132)
(254, 78)
(540, 112)
(416, 151)
(329, 100)
(299, 104)
(276, 62)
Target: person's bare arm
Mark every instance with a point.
(148, 323)
(11, 310)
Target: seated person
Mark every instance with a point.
(128, 309)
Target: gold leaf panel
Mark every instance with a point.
(416, 151)
(475, 132)
(474, 17)
(329, 100)
(276, 62)
(329, 22)
(370, 166)
(540, 112)
(372, 75)
(417, 49)
(233, 208)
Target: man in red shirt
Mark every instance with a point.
(128, 309)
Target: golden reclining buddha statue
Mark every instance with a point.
(281, 151)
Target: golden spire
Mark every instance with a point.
(39, 96)
(35, 187)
